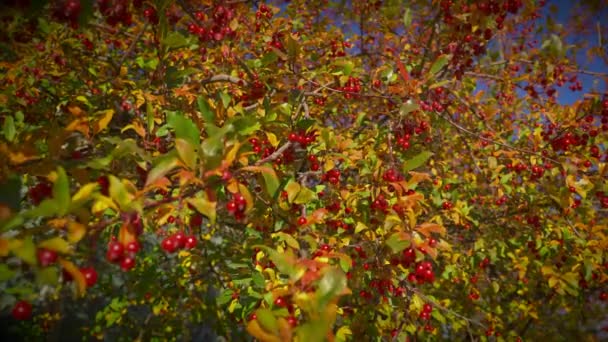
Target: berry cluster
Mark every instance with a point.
(392, 175)
(218, 26)
(332, 176)
(178, 240)
(67, 11)
(425, 314)
(314, 162)
(117, 253)
(422, 273)
(338, 48)
(351, 88)
(303, 138)
(116, 12)
(237, 206)
(447, 205)
(380, 204)
(256, 91)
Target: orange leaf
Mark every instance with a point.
(81, 283)
(317, 216)
(427, 228)
(79, 125)
(402, 71)
(4, 247)
(126, 234)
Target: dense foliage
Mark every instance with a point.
(303, 170)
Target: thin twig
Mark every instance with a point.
(276, 154)
(478, 136)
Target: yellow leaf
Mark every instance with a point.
(104, 120)
(254, 328)
(84, 192)
(272, 139)
(56, 244)
(231, 156)
(76, 231)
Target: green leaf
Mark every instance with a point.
(224, 297)
(396, 243)
(184, 128)
(305, 195)
(215, 143)
(417, 161)
(269, 58)
(267, 320)
(163, 165)
(407, 18)
(61, 192)
(174, 40)
(47, 276)
(6, 273)
(331, 285)
(408, 107)
(150, 116)
(205, 110)
(226, 98)
(10, 194)
(26, 251)
(290, 240)
(270, 180)
(9, 128)
(440, 62)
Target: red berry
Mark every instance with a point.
(115, 251)
(22, 310)
(604, 296)
(180, 239)
(302, 221)
(190, 242)
(169, 244)
(46, 257)
(127, 263)
(293, 322)
(133, 247)
(280, 302)
(90, 275)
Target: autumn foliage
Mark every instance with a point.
(303, 170)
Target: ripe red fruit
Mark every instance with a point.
(180, 239)
(302, 221)
(46, 257)
(22, 310)
(190, 242)
(90, 275)
(604, 296)
(127, 263)
(292, 321)
(115, 251)
(133, 247)
(169, 244)
(280, 302)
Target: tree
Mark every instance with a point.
(303, 170)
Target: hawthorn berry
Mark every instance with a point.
(46, 257)
(22, 310)
(90, 275)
